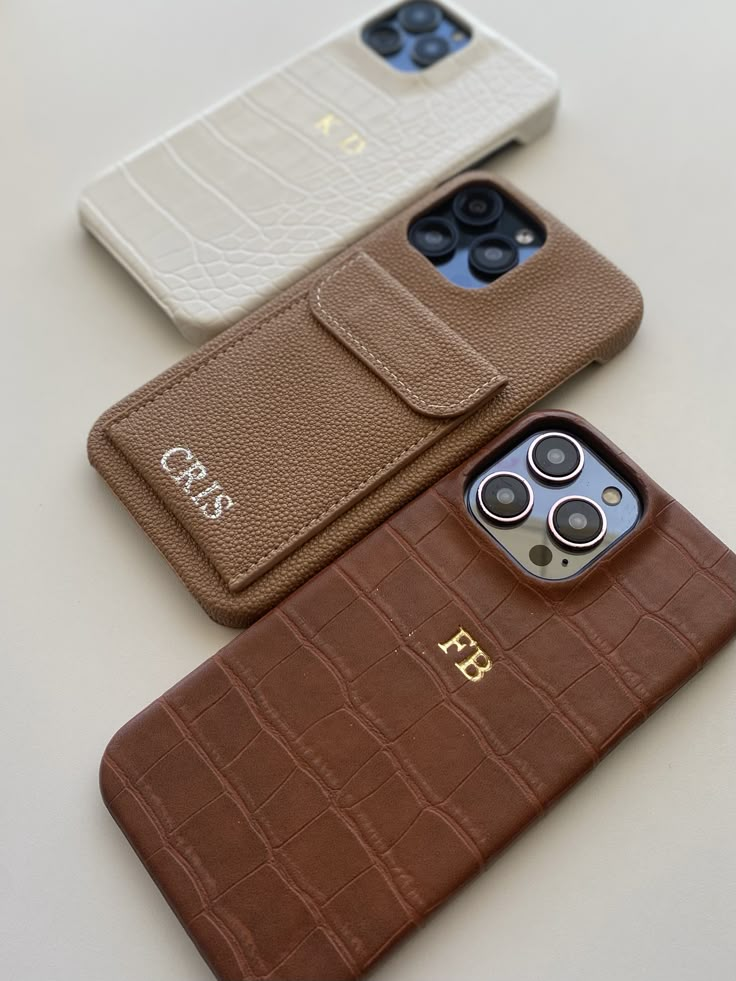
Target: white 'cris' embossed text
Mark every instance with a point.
(188, 473)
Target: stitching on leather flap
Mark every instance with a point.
(491, 379)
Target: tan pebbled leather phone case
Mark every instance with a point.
(261, 457)
(314, 790)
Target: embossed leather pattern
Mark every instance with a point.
(245, 199)
(315, 789)
(330, 408)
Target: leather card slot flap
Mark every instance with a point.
(268, 438)
(426, 363)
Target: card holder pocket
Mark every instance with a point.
(260, 445)
(428, 364)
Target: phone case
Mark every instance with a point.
(242, 201)
(314, 790)
(261, 457)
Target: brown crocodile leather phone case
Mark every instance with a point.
(311, 792)
(260, 458)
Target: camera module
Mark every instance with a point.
(435, 238)
(505, 497)
(492, 255)
(477, 207)
(420, 17)
(427, 50)
(555, 457)
(384, 39)
(577, 522)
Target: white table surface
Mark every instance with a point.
(633, 875)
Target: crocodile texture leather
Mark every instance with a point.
(330, 408)
(314, 790)
(230, 209)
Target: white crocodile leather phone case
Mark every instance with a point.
(243, 200)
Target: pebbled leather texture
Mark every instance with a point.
(428, 364)
(334, 405)
(243, 200)
(314, 790)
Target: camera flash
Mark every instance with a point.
(611, 496)
(540, 555)
(524, 236)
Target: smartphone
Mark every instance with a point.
(354, 757)
(228, 210)
(259, 458)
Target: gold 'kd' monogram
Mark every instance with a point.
(350, 143)
(473, 665)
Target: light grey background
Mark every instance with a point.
(632, 875)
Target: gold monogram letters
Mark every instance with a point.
(350, 144)
(473, 665)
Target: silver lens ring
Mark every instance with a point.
(564, 541)
(490, 514)
(545, 476)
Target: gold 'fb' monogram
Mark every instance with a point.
(333, 127)
(474, 665)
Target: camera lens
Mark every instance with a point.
(555, 457)
(492, 255)
(384, 39)
(418, 18)
(478, 207)
(427, 50)
(435, 238)
(577, 522)
(505, 497)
